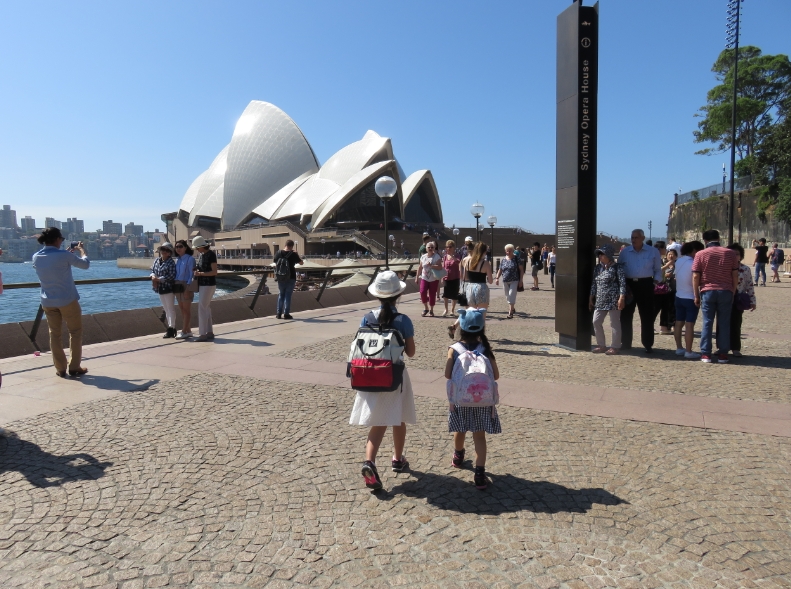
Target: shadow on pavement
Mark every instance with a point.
(43, 469)
(219, 340)
(109, 383)
(506, 493)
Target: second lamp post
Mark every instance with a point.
(477, 211)
(386, 189)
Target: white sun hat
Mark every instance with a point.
(468, 238)
(387, 285)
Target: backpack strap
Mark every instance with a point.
(373, 322)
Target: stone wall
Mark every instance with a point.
(688, 221)
(118, 325)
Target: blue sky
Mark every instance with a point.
(111, 109)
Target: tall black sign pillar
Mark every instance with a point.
(575, 196)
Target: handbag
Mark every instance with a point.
(742, 301)
(193, 286)
(661, 288)
(462, 298)
(520, 288)
(439, 274)
(179, 286)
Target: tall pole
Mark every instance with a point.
(733, 37)
(477, 230)
(492, 260)
(387, 251)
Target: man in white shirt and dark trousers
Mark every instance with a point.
(643, 265)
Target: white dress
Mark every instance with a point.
(391, 408)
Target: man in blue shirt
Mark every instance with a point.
(60, 299)
(643, 266)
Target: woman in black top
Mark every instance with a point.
(206, 274)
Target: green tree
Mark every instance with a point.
(773, 171)
(764, 88)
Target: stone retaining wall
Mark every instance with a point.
(118, 325)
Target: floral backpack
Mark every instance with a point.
(472, 381)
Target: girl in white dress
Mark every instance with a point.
(382, 409)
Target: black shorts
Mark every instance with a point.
(451, 290)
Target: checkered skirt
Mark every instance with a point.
(474, 419)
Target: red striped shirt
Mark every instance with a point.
(716, 265)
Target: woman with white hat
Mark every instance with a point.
(163, 276)
(382, 409)
(206, 273)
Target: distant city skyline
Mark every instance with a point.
(75, 225)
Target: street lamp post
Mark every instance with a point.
(492, 222)
(476, 211)
(732, 40)
(386, 189)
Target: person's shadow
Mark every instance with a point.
(43, 469)
(505, 494)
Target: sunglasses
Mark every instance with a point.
(179, 247)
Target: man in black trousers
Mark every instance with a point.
(643, 265)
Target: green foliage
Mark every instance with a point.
(783, 209)
(772, 170)
(695, 195)
(746, 166)
(764, 89)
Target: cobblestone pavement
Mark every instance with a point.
(225, 481)
(525, 348)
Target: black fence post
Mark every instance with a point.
(324, 285)
(34, 329)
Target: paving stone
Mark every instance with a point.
(224, 481)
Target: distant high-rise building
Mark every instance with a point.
(50, 222)
(8, 217)
(28, 224)
(74, 225)
(111, 228)
(132, 229)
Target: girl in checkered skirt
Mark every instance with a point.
(478, 420)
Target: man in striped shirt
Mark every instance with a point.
(715, 275)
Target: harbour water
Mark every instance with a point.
(22, 304)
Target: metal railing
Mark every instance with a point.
(724, 187)
(40, 313)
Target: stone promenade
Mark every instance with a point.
(231, 464)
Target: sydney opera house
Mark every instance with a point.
(268, 174)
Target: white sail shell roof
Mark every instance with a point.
(413, 182)
(267, 152)
(269, 170)
(213, 179)
(331, 204)
(188, 202)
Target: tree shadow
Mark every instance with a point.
(43, 469)
(505, 494)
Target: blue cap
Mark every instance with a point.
(471, 320)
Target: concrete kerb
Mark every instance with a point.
(92, 333)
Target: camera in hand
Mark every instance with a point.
(74, 244)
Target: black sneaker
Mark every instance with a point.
(372, 480)
(400, 465)
(287, 316)
(458, 458)
(279, 316)
(480, 477)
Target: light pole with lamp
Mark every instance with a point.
(492, 222)
(732, 41)
(476, 211)
(386, 189)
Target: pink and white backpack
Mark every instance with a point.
(472, 381)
